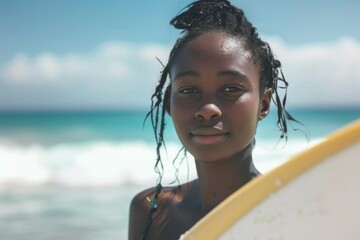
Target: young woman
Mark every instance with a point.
(216, 86)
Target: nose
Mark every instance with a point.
(208, 112)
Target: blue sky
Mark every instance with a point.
(101, 54)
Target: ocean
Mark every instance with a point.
(71, 175)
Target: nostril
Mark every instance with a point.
(208, 112)
(199, 115)
(214, 116)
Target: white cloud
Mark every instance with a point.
(325, 74)
(114, 50)
(115, 74)
(18, 69)
(120, 74)
(110, 61)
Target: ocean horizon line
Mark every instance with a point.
(142, 110)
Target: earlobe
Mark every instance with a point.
(265, 104)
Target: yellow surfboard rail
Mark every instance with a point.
(215, 223)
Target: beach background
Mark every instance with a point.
(71, 175)
(75, 84)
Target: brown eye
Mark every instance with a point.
(232, 89)
(188, 91)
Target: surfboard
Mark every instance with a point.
(314, 195)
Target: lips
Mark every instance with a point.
(208, 136)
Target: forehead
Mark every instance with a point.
(215, 48)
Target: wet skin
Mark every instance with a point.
(215, 105)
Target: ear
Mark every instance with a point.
(265, 104)
(166, 101)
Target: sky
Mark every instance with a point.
(98, 55)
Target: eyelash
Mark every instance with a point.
(188, 90)
(226, 90)
(232, 89)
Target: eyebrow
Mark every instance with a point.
(224, 73)
(187, 74)
(233, 73)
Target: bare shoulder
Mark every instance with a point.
(142, 201)
(139, 210)
(141, 204)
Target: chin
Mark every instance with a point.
(211, 157)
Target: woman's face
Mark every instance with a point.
(215, 103)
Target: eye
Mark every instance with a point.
(232, 89)
(188, 90)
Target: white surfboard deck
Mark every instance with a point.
(313, 196)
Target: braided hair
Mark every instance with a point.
(200, 17)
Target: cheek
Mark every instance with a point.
(179, 113)
(248, 105)
(180, 106)
(175, 108)
(247, 113)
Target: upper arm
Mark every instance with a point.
(139, 210)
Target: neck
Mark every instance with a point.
(219, 180)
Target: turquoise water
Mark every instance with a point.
(71, 175)
(55, 127)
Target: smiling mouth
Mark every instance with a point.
(208, 139)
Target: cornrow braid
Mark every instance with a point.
(200, 17)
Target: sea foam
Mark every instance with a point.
(107, 163)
